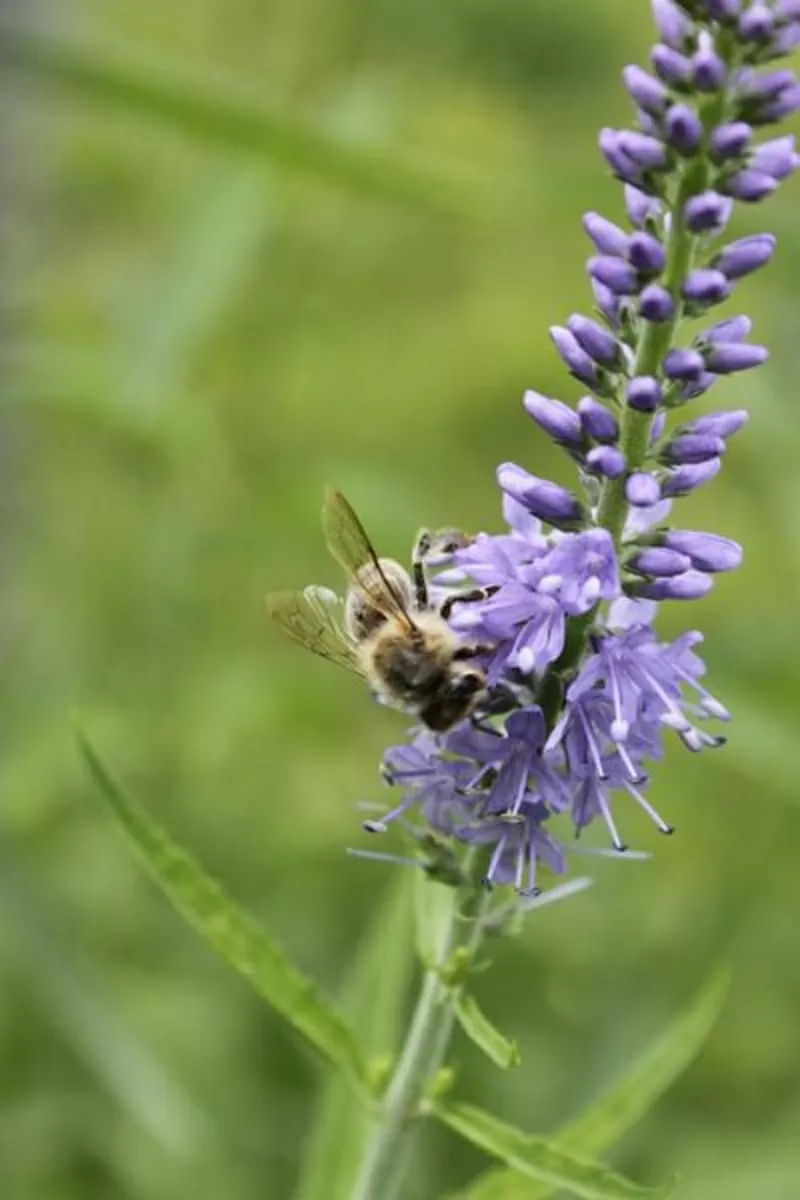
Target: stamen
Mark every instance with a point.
(609, 820)
(627, 761)
(397, 859)
(594, 749)
(648, 808)
(620, 728)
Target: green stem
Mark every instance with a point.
(383, 1162)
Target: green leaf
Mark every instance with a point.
(482, 1032)
(627, 1101)
(375, 1002)
(232, 933)
(222, 113)
(540, 1159)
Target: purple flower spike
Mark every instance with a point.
(756, 24)
(545, 500)
(607, 461)
(647, 152)
(708, 69)
(693, 448)
(730, 140)
(617, 275)
(689, 586)
(673, 24)
(726, 357)
(672, 68)
(556, 419)
(646, 91)
(607, 237)
(642, 490)
(577, 360)
(597, 421)
(708, 212)
(706, 286)
(646, 253)
(719, 424)
(745, 255)
(776, 157)
(683, 128)
(684, 365)
(707, 551)
(660, 561)
(656, 303)
(598, 343)
(685, 479)
(642, 209)
(644, 394)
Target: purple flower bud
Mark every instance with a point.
(723, 10)
(786, 40)
(607, 301)
(776, 157)
(685, 479)
(617, 275)
(673, 24)
(732, 329)
(657, 560)
(693, 448)
(787, 10)
(756, 24)
(672, 68)
(642, 209)
(684, 364)
(646, 253)
(644, 393)
(598, 343)
(607, 461)
(658, 427)
(646, 91)
(575, 357)
(699, 386)
(543, 499)
(750, 186)
(787, 102)
(725, 357)
(607, 237)
(621, 164)
(707, 212)
(767, 86)
(708, 69)
(707, 551)
(642, 490)
(683, 128)
(646, 151)
(556, 419)
(597, 422)
(691, 585)
(706, 286)
(745, 255)
(730, 140)
(655, 303)
(719, 424)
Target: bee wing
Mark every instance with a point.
(349, 544)
(314, 619)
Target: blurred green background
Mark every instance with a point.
(253, 248)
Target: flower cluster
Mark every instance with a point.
(581, 689)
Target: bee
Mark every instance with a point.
(386, 630)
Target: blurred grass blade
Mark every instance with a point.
(232, 933)
(221, 113)
(540, 1159)
(374, 1000)
(482, 1032)
(625, 1103)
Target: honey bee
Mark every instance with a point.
(386, 629)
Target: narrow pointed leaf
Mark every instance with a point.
(224, 114)
(542, 1160)
(627, 1101)
(482, 1032)
(374, 1000)
(233, 933)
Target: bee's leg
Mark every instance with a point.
(466, 598)
(471, 650)
(421, 551)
